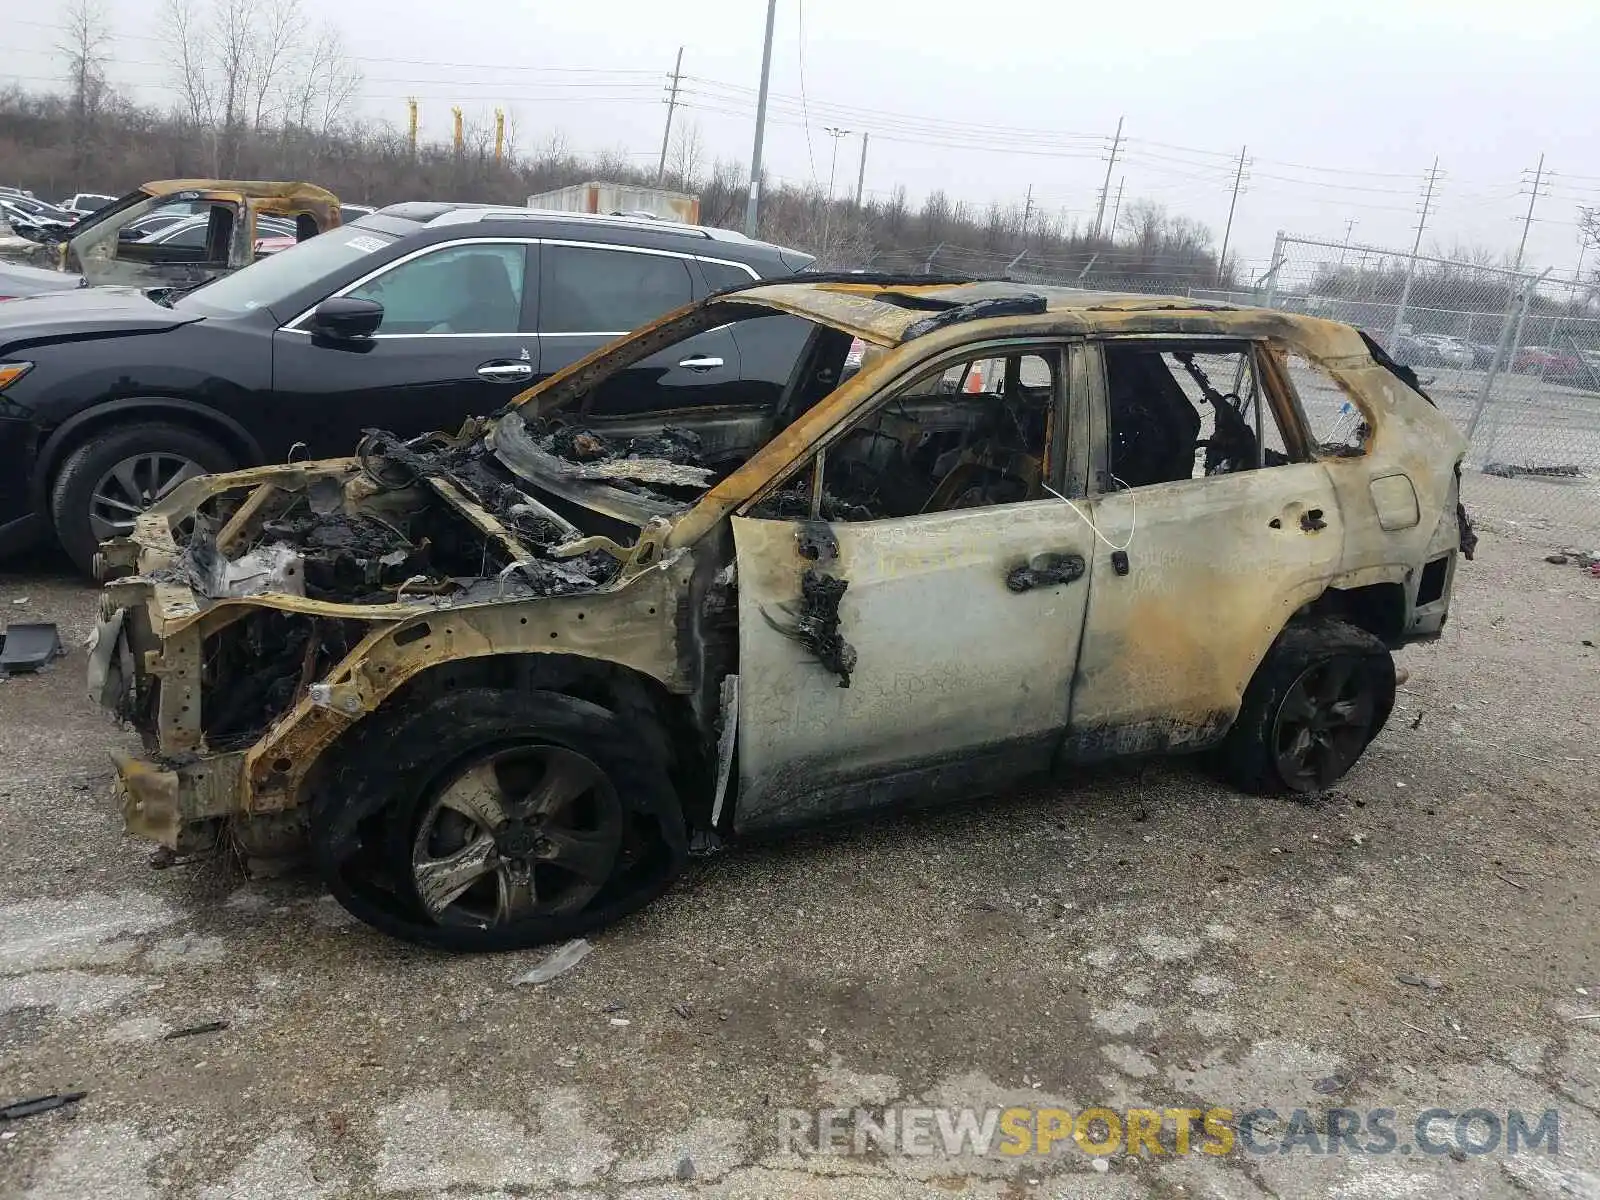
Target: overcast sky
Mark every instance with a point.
(1343, 106)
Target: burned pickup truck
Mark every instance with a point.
(501, 682)
(110, 246)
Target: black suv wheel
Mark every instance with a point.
(118, 473)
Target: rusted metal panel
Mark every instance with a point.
(620, 198)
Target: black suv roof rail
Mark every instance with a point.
(870, 278)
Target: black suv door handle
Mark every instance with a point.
(1045, 570)
(505, 371)
(701, 362)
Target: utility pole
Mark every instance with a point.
(499, 135)
(411, 125)
(836, 134)
(1227, 230)
(1117, 207)
(456, 112)
(1527, 221)
(1105, 188)
(1350, 224)
(672, 103)
(1027, 213)
(752, 208)
(861, 174)
(1411, 263)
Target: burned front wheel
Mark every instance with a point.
(1322, 693)
(492, 820)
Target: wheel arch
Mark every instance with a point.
(1379, 608)
(639, 699)
(72, 433)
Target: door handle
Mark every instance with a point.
(1045, 570)
(505, 372)
(700, 362)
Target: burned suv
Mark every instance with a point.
(502, 681)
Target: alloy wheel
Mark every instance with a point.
(529, 831)
(132, 486)
(1324, 723)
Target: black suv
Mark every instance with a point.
(411, 319)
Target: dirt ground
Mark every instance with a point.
(1424, 936)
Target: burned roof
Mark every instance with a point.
(888, 311)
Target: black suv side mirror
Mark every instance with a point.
(346, 318)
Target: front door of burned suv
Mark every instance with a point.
(1214, 526)
(918, 639)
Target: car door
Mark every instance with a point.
(924, 641)
(1193, 574)
(591, 294)
(455, 342)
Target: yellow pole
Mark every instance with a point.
(457, 111)
(499, 134)
(411, 105)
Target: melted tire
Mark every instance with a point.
(1247, 757)
(362, 815)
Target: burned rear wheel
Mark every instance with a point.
(1320, 696)
(491, 820)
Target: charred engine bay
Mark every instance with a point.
(387, 535)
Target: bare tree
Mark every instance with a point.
(326, 85)
(184, 29)
(688, 155)
(1589, 226)
(84, 46)
(273, 49)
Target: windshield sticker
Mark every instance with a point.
(366, 244)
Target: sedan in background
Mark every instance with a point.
(84, 203)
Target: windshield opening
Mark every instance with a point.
(269, 282)
(623, 433)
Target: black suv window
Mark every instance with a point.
(474, 288)
(586, 289)
(725, 275)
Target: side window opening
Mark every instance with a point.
(1186, 412)
(1338, 428)
(969, 435)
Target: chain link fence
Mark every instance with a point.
(1513, 357)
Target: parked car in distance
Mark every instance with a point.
(499, 682)
(412, 319)
(272, 233)
(33, 219)
(1552, 364)
(1413, 351)
(94, 249)
(84, 203)
(1448, 351)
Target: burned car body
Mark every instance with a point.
(501, 680)
(92, 252)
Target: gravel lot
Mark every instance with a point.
(1423, 936)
